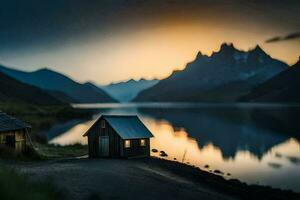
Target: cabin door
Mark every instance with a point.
(10, 141)
(104, 146)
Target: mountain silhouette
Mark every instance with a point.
(126, 91)
(226, 75)
(12, 90)
(283, 87)
(53, 81)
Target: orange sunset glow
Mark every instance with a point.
(149, 99)
(165, 40)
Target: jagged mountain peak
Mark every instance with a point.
(257, 54)
(226, 50)
(226, 46)
(258, 50)
(131, 81)
(199, 55)
(223, 76)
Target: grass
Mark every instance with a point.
(15, 186)
(47, 151)
(30, 154)
(44, 152)
(41, 118)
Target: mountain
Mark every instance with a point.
(224, 76)
(50, 80)
(282, 88)
(61, 96)
(126, 91)
(12, 90)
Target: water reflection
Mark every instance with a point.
(73, 135)
(232, 139)
(229, 129)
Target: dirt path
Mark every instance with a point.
(116, 179)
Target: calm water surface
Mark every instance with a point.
(255, 143)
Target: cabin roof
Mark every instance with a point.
(128, 127)
(9, 123)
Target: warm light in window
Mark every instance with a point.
(143, 142)
(127, 143)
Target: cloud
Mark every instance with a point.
(290, 36)
(53, 24)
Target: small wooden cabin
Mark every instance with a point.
(118, 136)
(13, 133)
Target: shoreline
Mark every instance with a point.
(153, 167)
(91, 106)
(230, 186)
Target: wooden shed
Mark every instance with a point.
(118, 136)
(13, 133)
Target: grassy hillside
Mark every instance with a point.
(34, 106)
(15, 186)
(61, 96)
(12, 90)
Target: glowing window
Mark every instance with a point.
(143, 142)
(127, 143)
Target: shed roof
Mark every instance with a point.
(128, 127)
(9, 123)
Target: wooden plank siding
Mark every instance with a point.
(20, 140)
(116, 143)
(136, 149)
(93, 137)
(93, 140)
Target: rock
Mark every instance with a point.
(218, 171)
(154, 150)
(278, 155)
(294, 160)
(163, 154)
(206, 166)
(275, 165)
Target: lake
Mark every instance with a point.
(255, 143)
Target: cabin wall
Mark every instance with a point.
(114, 140)
(93, 140)
(19, 145)
(136, 150)
(116, 143)
(93, 143)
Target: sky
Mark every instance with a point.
(114, 40)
